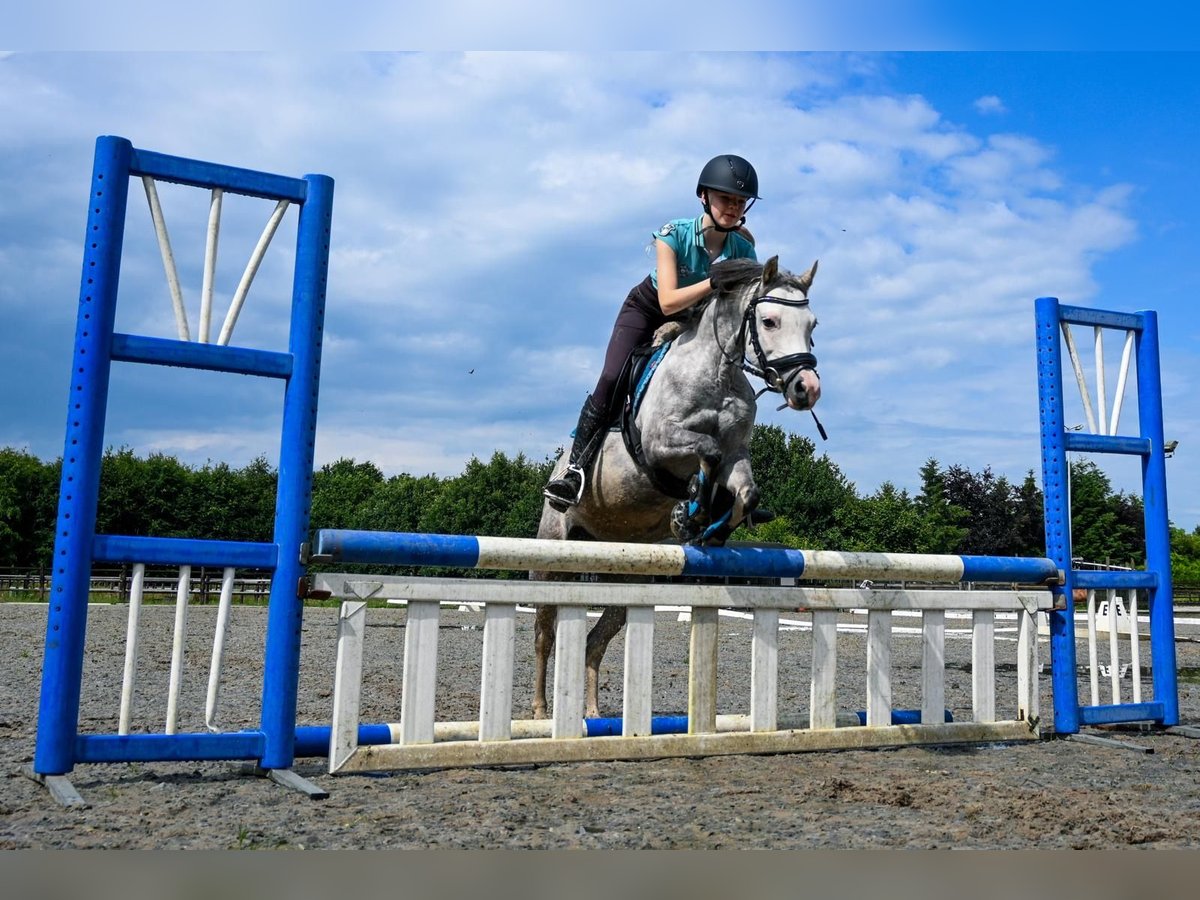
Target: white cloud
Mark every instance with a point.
(990, 105)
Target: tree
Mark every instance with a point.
(502, 497)
(945, 524)
(888, 521)
(340, 492)
(797, 485)
(28, 491)
(990, 508)
(1104, 527)
(144, 497)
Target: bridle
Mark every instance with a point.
(769, 370)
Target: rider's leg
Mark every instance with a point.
(567, 489)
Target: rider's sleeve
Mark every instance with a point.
(669, 235)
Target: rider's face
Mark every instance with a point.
(727, 209)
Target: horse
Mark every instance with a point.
(682, 467)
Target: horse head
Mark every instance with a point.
(776, 330)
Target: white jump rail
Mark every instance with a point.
(496, 739)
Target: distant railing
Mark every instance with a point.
(111, 584)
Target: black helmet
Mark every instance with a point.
(730, 174)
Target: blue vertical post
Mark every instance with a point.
(1154, 505)
(1056, 497)
(79, 487)
(294, 494)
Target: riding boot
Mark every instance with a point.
(567, 489)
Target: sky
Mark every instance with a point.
(492, 209)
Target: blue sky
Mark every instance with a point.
(492, 210)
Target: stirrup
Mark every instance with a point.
(558, 502)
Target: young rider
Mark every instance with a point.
(684, 251)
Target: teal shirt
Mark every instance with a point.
(684, 237)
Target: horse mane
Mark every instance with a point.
(729, 276)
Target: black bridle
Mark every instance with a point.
(771, 371)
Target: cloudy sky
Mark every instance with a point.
(492, 209)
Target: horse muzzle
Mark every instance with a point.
(801, 389)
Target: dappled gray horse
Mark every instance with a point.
(692, 478)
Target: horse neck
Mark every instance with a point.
(721, 324)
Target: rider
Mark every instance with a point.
(684, 250)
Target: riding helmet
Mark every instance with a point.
(731, 174)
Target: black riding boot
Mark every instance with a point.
(567, 489)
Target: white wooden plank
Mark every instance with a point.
(570, 644)
(933, 666)
(496, 679)
(879, 668)
(178, 645)
(764, 671)
(639, 671)
(1027, 685)
(702, 672)
(823, 696)
(475, 590)
(983, 666)
(418, 691)
(379, 758)
(347, 683)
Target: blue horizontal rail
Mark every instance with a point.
(98, 748)
(117, 548)
(178, 170)
(1122, 712)
(516, 554)
(1080, 315)
(193, 355)
(1104, 443)
(1099, 579)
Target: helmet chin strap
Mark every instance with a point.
(716, 227)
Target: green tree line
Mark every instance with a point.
(956, 510)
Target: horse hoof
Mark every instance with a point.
(686, 529)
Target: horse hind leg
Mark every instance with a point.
(611, 621)
(543, 645)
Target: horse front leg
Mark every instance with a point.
(611, 621)
(543, 646)
(690, 516)
(739, 482)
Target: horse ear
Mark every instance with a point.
(806, 279)
(770, 271)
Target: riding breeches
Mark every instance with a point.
(635, 325)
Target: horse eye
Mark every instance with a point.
(770, 324)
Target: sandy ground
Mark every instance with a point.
(1048, 794)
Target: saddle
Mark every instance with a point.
(631, 388)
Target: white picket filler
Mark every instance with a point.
(419, 741)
